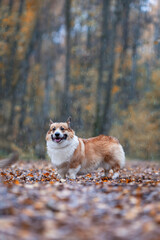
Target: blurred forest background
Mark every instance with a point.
(96, 60)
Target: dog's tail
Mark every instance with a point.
(10, 160)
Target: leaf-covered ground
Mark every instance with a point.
(35, 204)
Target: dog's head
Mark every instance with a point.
(60, 133)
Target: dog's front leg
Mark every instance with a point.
(72, 172)
(62, 173)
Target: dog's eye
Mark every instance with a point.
(54, 129)
(62, 128)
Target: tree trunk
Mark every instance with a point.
(66, 101)
(125, 31)
(13, 48)
(25, 65)
(157, 33)
(122, 96)
(89, 37)
(136, 36)
(46, 104)
(102, 60)
(148, 76)
(11, 2)
(106, 120)
(12, 63)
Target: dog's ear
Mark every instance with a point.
(69, 122)
(50, 122)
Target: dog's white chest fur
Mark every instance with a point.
(60, 153)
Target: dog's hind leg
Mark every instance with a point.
(116, 169)
(72, 172)
(106, 167)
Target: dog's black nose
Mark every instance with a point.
(57, 134)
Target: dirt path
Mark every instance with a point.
(34, 204)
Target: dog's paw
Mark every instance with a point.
(72, 176)
(115, 175)
(62, 180)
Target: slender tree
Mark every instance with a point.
(157, 32)
(122, 96)
(125, 31)
(12, 62)
(66, 102)
(101, 68)
(136, 28)
(106, 120)
(24, 72)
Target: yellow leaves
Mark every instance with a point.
(1, 65)
(156, 76)
(17, 108)
(88, 175)
(16, 182)
(78, 87)
(104, 179)
(77, 69)
(27, 23)
(3, 81)
(30, 4)
(118, 49)
(30, 175)
(89, 107)
(139, 130)
(115, 89)
(91, 22)
(127, 63)
(72, 88)
(5, 20)
(51, 182)
(9, 20)
(156, 41)
(89, 197)
(27, 120)
(3, 48)
(46, 174)
(37, 67)
(155, 94)
(28, 17)
(40, 92)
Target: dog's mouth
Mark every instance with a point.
(59, 139)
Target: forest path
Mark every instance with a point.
(34, 204)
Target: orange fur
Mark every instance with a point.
(89, 154)
(97, 148)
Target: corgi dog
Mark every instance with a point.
(72, 155)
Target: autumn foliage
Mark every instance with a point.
(36, 204)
